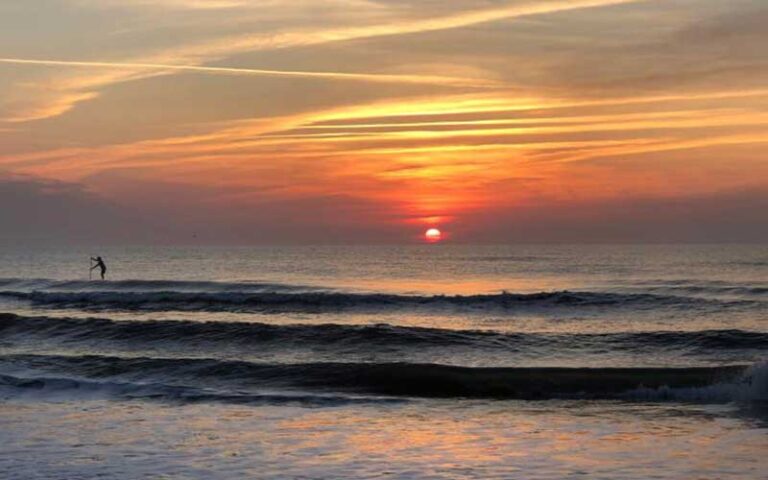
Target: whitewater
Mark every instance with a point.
(432, 361)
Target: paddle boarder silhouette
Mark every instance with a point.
(99, 264)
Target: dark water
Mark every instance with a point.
(532, 350)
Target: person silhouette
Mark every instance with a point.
(100, 264)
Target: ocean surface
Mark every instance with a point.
(411, 362)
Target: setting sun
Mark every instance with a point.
(433, 235)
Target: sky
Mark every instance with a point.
(370, 121)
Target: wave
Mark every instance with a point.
(502, 258)
(363, 337)
(47, 284)
(755, 263)
(725, 290)
(260, 297)
(320, 302)
(63, 388)
(705, 288)
(700, 384)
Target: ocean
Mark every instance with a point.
(403, 362)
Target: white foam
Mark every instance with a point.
(750, 387)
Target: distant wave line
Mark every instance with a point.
(14, 328)
(281, 302)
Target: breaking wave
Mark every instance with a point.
(364, 337)
(54, 388)
(256, 297)
(276, 302)
(46, 284)
(695, 384)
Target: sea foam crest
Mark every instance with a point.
(749, 388)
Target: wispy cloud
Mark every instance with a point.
(364, 77)
(557, 136)
(386, 113)
(188, 57)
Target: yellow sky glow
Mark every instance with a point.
(397, 113)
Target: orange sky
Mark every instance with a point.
(361, 120)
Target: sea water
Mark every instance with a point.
(430, 361)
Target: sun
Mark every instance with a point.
(433, 235)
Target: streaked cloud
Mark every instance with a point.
(388, 114)
(382, 78)
(186, 57)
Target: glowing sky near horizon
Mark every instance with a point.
(376, 120)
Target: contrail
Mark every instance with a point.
(365, 77)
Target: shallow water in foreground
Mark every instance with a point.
(535, 362)
(413, 440)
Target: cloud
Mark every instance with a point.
(310, 121)
(57, 212)
(168, 212)
(734, 216)
(377, 78)
(266, 214)
(79, 87)
(182, 4)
